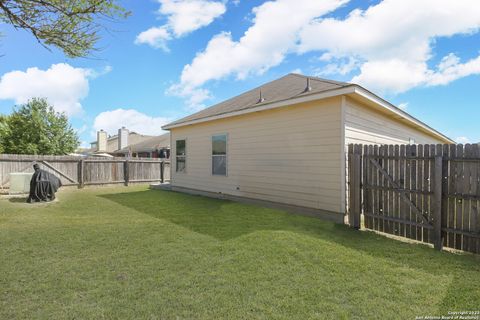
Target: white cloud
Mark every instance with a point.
(403, 106)
(132, 119)
(342, 66)
(93, 74)
(194, 97)
(156, 37)
(450, 69)
(183, 17)
(462, 140)
(63, 85)
(394, 39)
(388, 47)
(265, 44)
(394, 75)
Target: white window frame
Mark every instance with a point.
(212, 155)
(184, 157)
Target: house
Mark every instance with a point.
(285, 142)
(110, 144)
(127, 143)
(153, 147)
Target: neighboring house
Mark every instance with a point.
(131, 144)
(118, 141)
(153, 147)
(82, 152)
(285, 141)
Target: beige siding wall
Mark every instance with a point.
(289, 155)
(366, 126)
(133, 138)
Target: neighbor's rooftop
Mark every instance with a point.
(150, 144)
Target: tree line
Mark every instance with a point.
(36, 128)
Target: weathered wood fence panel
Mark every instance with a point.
(87, 171)
(103, 171)
(64, 167)
(429, 193)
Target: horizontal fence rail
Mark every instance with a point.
(429, 193)
(75, 171)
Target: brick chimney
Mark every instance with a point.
(123, 138)
(101, 141)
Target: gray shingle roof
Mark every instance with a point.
(148, 145)
(290, 86)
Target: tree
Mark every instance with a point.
(35, 128)
(3, 130)
(70, 25)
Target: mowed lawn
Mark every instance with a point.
(134, 253)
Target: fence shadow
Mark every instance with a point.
(226, 220)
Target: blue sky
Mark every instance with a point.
(172, 57)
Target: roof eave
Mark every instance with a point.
(347, 90)
(268, 106)
(359, 90)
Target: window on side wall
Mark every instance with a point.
(180, 151)
(219, 155)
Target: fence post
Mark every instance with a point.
(162, 171)
(437, 203)
(81, 173)
(355, 174)
(126, 172)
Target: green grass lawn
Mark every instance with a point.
(134, 253)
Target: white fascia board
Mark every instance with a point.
(402, 114)
(268, 106)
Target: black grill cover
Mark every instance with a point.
(43, 186)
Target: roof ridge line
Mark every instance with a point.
(342, 83)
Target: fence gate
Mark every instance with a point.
(429, 193)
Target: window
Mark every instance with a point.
(180, 155)
(219, 155)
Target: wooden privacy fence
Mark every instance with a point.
(75, 171)
(429, 193)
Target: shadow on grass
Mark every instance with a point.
(18, 199)
(226, 220)
(220, 219)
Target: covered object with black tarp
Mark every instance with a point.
(43, 185)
